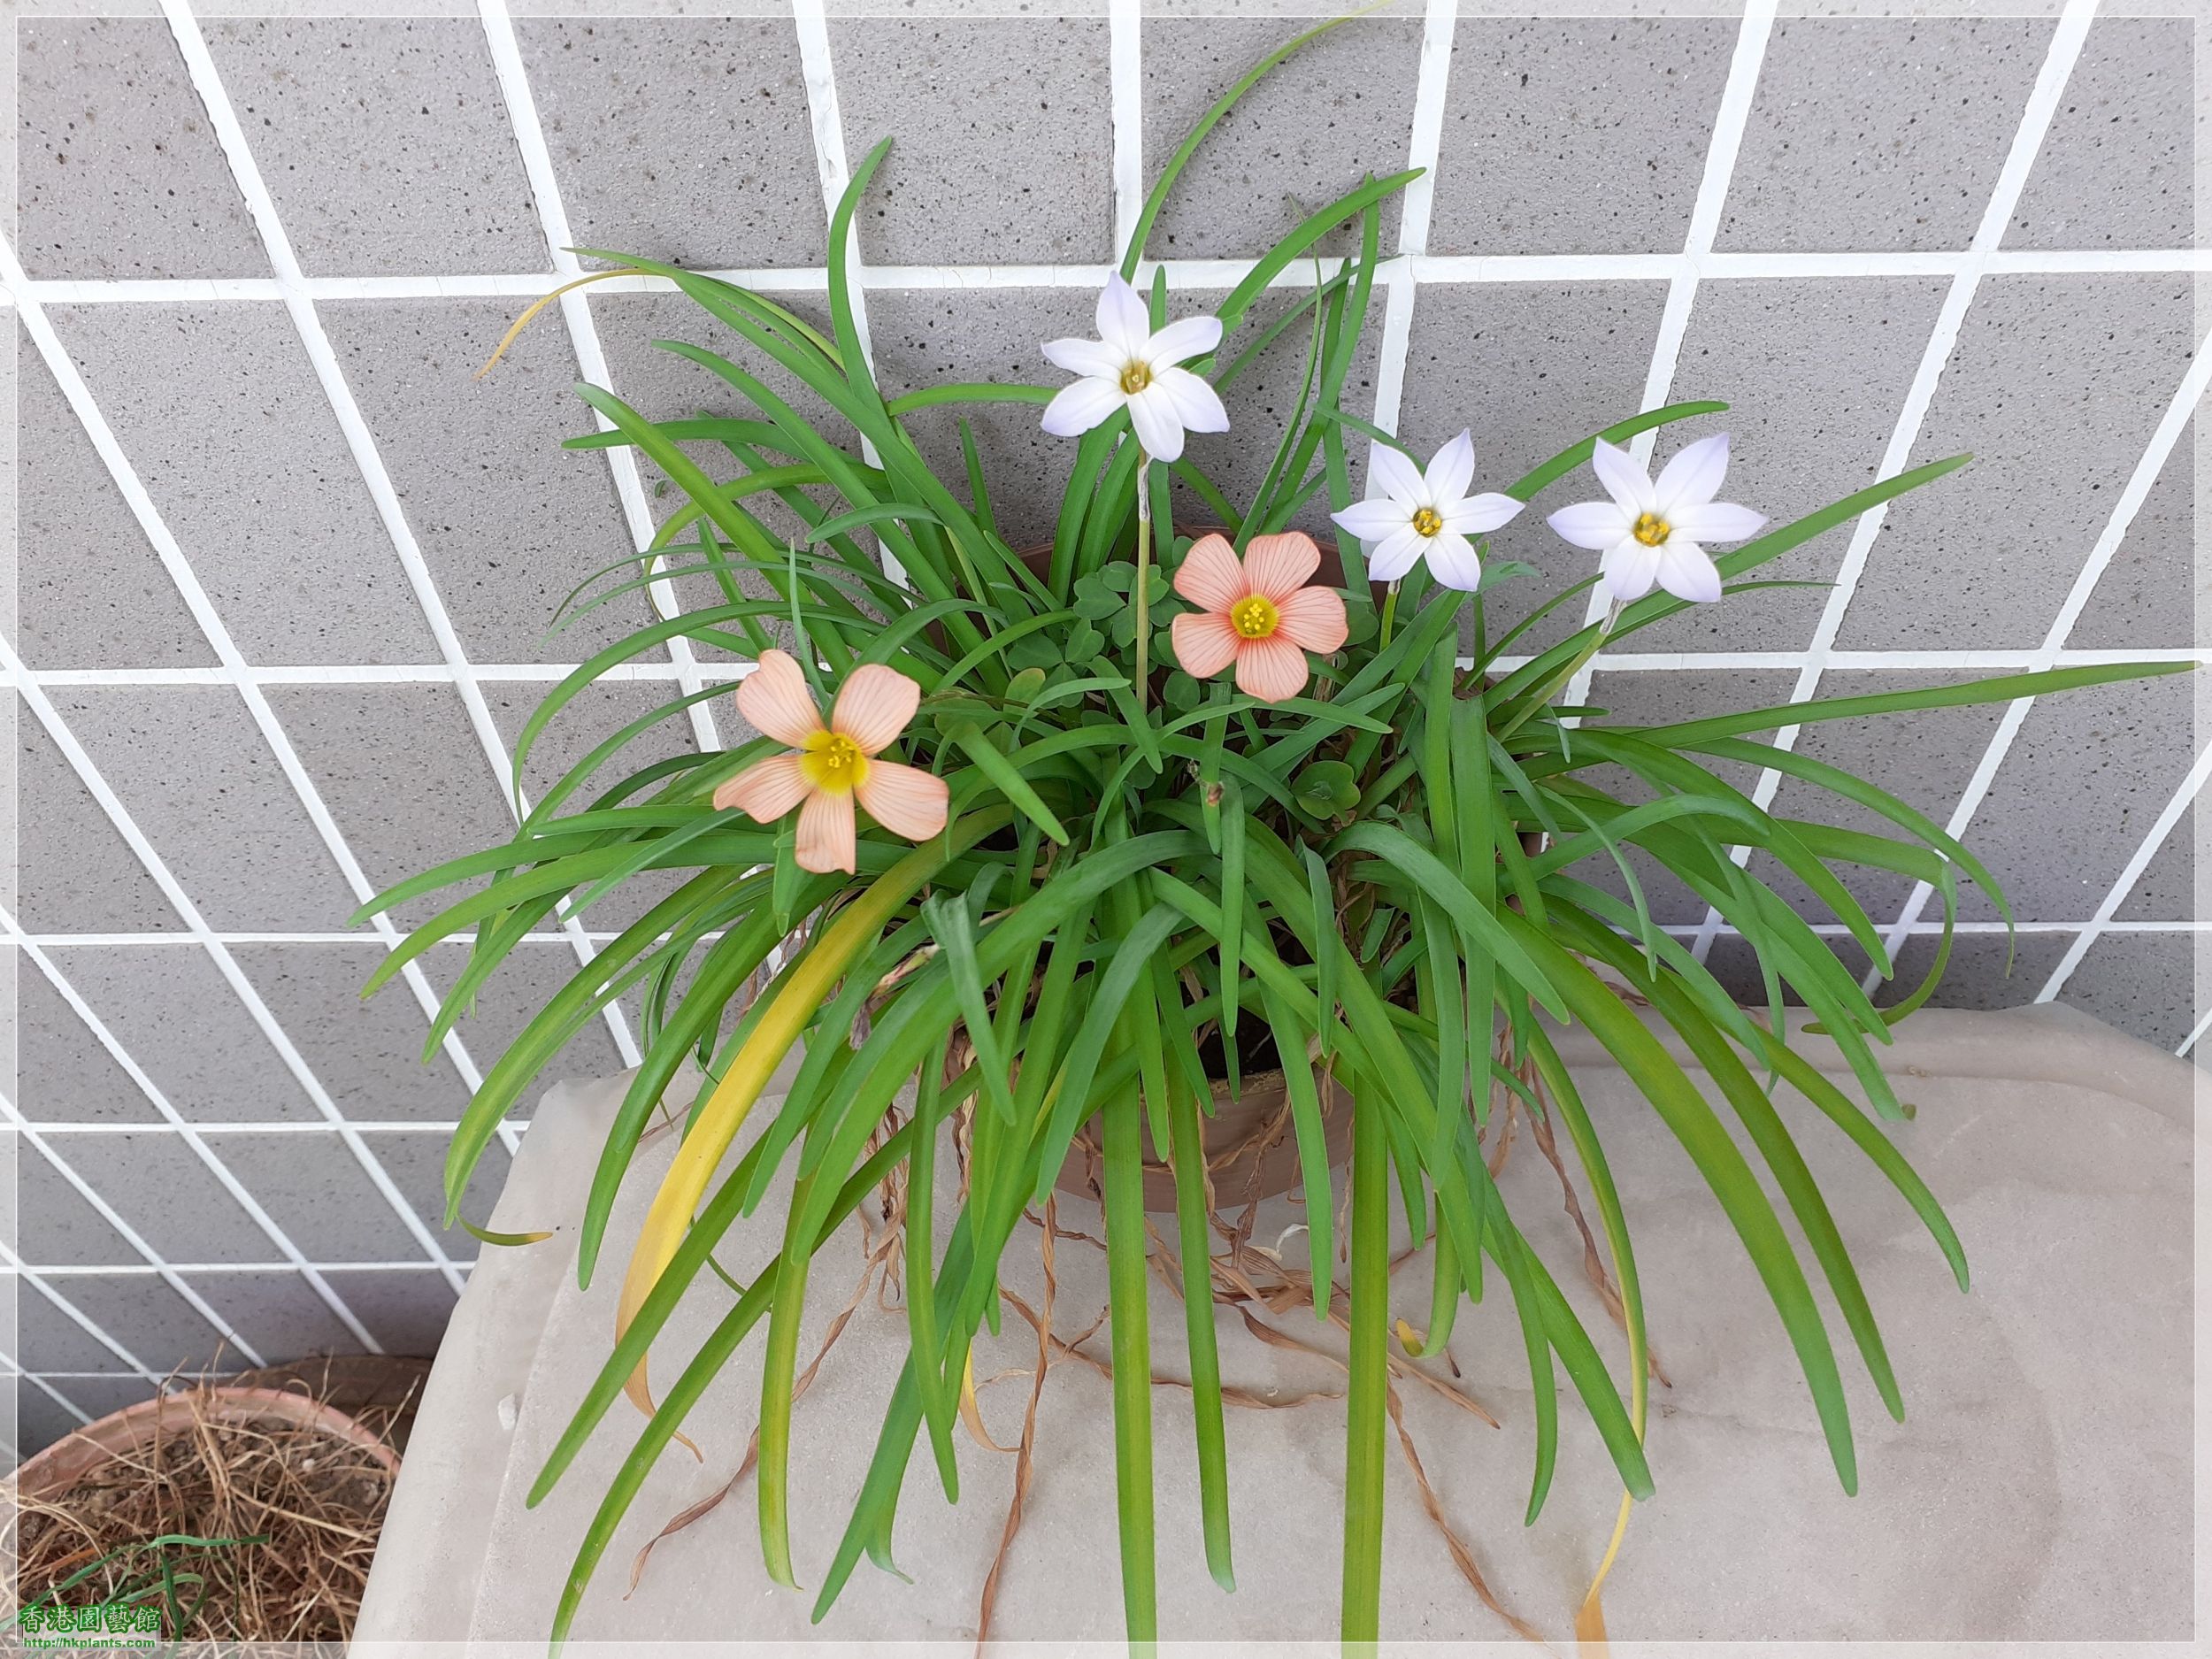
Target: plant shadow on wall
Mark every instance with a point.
(1080, 840)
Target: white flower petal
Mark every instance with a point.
(1180, 342)
(1595, 525)
(1372, 520)
(1123, 322)
(1080, 406)
(1453, 562)
(1152, 412)
(1472, 515)
(1717, 521)
(1692, 478)
(1687, 572)
(1084, 357)
(1392, 472)
(1630, 569)
(1196, 404)
(1625, 482)
(1451, 471)
(1400, 551)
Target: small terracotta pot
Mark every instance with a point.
(67, 1462)
(1251, 1145)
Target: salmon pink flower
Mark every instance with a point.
(1258, 613)
(835, 764)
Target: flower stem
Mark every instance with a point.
(1389, 615)
(1362, 1601)
(1144, 578)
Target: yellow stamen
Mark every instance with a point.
(833, 763)
(1652, 530)
(1135, 377)
(1428, 521)
(1254, 617)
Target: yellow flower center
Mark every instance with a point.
(1255, 617)
(833, 763)
(1428, 521)
(1135, 377)
(1651, 529)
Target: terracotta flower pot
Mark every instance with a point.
(1251, 1145)
(67, 1462)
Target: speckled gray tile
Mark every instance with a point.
(220, 413)
(2086, 779)
(314, 1188)
(185, 1026)
(1639, 698)
(1925, 758)
(384, 142)
(685, 140)
(184, 757)
(2114, 171)
(77, 874)
(55, 1224)
(1542, 152)
(48, 1339)
(367, 1055)
(1336, 110)
(405, 1311)
(2170, 887)
(1529, 369)
(523, 985)
(589, 718)
(1814, 374)
(1877, 133)
(170, 1197)
(924, 339)
(1002, 133)
(40, 1421)
(118, 171)
(665, 386)
(63, 1073)
(2155, 588)
(417, 1166)
(279, 1314)
(2055, 385)
(2146, 983)
(404, 775)
(508, 520)
(160, 1327)
(90, 589)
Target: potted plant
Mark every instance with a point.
(1069, 844)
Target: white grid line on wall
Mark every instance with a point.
(128, 1233)
(360, 442)
(77, 1316)
(1425, 143)
(591, 358)
(2156, 453)
(1684, 271)
(177, 1122)
(2027, 142)
(1125, 71)
(61, 1399)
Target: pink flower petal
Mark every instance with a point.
(775, 701)
(764, 790)
(1280, 565)
(1313, 620)
(1271, 669)
(905, 800)
(1210, 576)
(1205, 643)
(828, 839)
(873, 706)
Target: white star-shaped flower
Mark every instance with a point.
(1653, 533)
(1128, 366)
(1410, 515)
